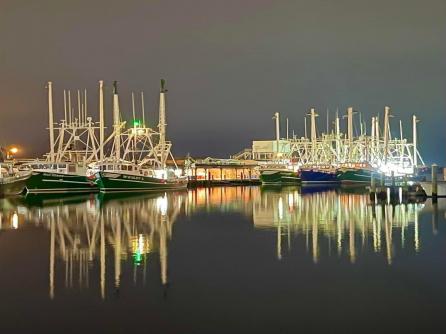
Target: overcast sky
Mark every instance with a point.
(229, 65)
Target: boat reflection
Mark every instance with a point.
(94, 238)
(347, 221)
(85, 231)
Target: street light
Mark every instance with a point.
(11, 152)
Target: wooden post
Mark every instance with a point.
(434, 181)
(372, 188)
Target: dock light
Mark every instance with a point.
(13, 150)
(15, 221)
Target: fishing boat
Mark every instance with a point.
(73, 146)
(318, 174)
(12, 181)
(130, 177)
(279, 175)
(355, 173)
(138, 161)
(65, 177)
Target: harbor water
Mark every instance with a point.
(222, 260)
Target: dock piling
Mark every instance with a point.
(434, 182)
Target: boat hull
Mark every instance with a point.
(312, 176)
(118, 182)
(49, 182)
(13, 185)
(279, 177)
(355, 176)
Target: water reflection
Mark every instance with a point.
(84, 231)
(98, 236)
(344, 221)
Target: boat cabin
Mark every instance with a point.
(65, 167)
(126, 168)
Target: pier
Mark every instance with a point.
(212, 171)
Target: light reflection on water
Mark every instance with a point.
(97, 235)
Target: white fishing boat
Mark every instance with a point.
(73, 145)
(12, 181)
(142, 165)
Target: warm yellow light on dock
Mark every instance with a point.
(13, 150)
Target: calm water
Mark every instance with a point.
(222, 260)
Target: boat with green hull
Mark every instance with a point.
(41, 182)
(355, 173)
(279, 177)
(109, 181)
(138, 159)
(73, 146)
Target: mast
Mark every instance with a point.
(79, 107)
(313, 115)
(377, 137)
(101, 120)
(69, 107)
(142, 109)
(65, 104)
(361, 125)
(51, 119)
(277, 118)
(350, 125)
(401, 143)
(338, 135)
(133, 109)
(328, 121)
(386, 132)
(287, 129)
(313, 134)
(85, 106)
(350, 133)
(414, 134)
(116, 121)
(162, 114)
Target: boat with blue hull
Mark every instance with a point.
(318, 175)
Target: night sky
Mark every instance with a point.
(229, 65)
